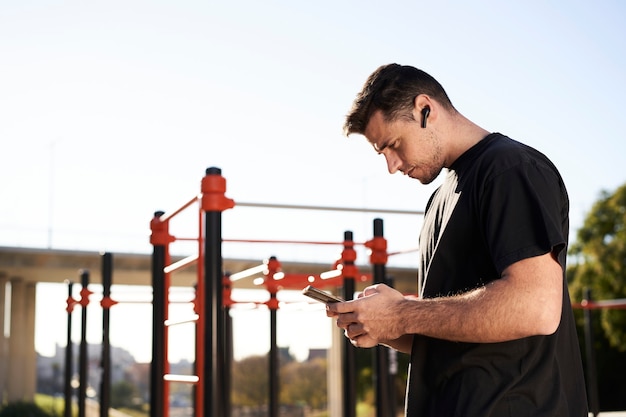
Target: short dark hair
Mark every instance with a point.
(392, 88)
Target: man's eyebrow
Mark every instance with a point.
(381, 148)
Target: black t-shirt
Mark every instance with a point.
(501, 202)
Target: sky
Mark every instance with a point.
(110, 111)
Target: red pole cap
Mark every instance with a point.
(213, 188)
(160, 235)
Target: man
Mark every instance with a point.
(492, 331)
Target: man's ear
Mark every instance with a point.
(422, 109)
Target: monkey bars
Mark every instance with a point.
(213, 328)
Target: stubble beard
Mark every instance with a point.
(433, 168)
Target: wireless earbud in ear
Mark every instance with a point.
(425, 113)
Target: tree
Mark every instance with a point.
(250, 381)
(304, 383)
(599, 258)
(123, 394)
(600, 261)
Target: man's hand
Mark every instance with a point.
(374, 317)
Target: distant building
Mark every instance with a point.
(51, 370)
(317, 353)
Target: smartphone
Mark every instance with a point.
(321, 296)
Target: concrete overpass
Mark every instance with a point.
(23, 268)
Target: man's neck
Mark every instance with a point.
(462, 135)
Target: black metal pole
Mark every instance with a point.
(273, 359)
(392, 367)
(105, 382)
(381, 356)
(157, 368)
(592, 375)
(349, 351)
(83, 360)
(214, 344)
(69, 357)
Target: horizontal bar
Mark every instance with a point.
(192, 319)
(331, 274)
(329, 208)
(402, 252)
(180, 264)
(248, 272)
(303, 242)
(190, 379)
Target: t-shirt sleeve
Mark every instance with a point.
(525, 213)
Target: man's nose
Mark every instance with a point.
(393, 162)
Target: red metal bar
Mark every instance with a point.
(160, 236)
(201, 323)
(165, 217)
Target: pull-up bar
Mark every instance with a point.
(212, 326)
(330, 208)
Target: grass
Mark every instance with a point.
(53, 405)
(56, 407)
(133, 412)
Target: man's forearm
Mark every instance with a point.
(526, 301)
(402, 344)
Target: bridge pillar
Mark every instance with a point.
(21, 375)
(4, 341)
(30, 370)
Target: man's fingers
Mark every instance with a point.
(354, 330)
(344, 320)
(339, 308)
(372, 289)
(363, 341)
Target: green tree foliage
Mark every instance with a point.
(599, 256)
(250, 381)
(304, 383)
(123, 394)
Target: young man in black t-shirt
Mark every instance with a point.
(492, 331)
